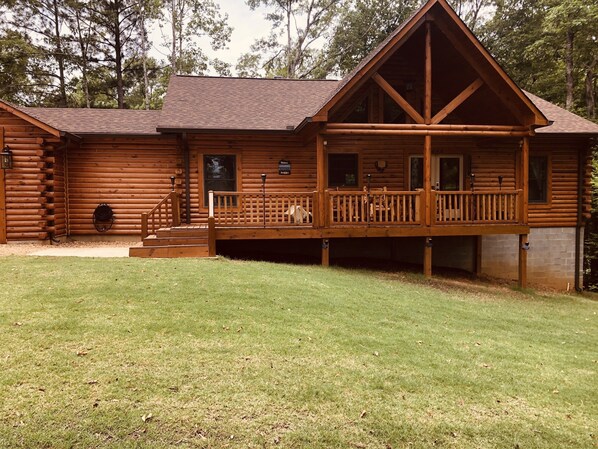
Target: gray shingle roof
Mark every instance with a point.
(97, 121)
(564, 121)
(198, 102)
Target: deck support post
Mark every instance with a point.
(523, 249)
(525, 178)
(428, 257)
(325, 252)
(477, 269)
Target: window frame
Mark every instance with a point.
(359, 177)
(547, 203)
(203, 202)
(435, 169)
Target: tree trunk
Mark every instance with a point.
(569, 69)
(290, 71)
(120, 91)
(590, 90)
(59, 56)
(173, 52)
(146, 98)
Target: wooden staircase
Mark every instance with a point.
(174, 242)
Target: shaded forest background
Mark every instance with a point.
(98, 53)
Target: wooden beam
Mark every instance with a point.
(424, 132)
(428, 76)
(525, 178)
(457, 101)
(321, 178)
(428, 180)
(420, 127)
(392, 93)
(239, 233)
(2, 195)
(523, 249)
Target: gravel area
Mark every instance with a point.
(68, 248)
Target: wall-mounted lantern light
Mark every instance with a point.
(6, 158)
(172, 178)
(500, 178)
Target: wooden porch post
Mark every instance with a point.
(525, 179)
(211, 226)
(321, 179)
(523, 249)
(428, 180)
(325, 252)
(2, 196)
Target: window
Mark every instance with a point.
(343, 170)
(219, 173)
(449, 173)
(538, 179)
(416, 172)
(446, 172)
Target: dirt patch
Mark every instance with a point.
(27, 248)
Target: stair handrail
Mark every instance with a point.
(165, 214)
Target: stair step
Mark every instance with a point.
(182, 232)
(169, 251)
(167, 241)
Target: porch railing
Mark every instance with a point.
(375, 207)
(270, 209)
(165, 214)
(491, 207)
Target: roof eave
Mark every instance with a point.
(34, 121)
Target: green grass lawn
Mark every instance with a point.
(218, 353)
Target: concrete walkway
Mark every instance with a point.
(87, 251)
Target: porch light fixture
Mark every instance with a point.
(172, 178)
(472, 180)
(500, 178)
(6, 158)
(380, 166)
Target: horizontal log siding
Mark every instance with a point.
(259, 154)
(564, 153)
(29, 184)
(57, 194)
(131, 174)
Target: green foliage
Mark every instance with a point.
(291, 49)
(134, 353)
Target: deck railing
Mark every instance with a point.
(487, 207)
(360, 208)
(257, 209)
(374, 208)
(165, 214)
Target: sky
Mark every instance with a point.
(247, 26)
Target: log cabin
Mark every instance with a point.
(427, 153)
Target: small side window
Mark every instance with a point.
(538, 179)
(343, 170)
(416, 172)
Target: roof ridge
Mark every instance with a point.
(256, 78)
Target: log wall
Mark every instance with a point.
(32, 191)
(256, 155)
(131, 174)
